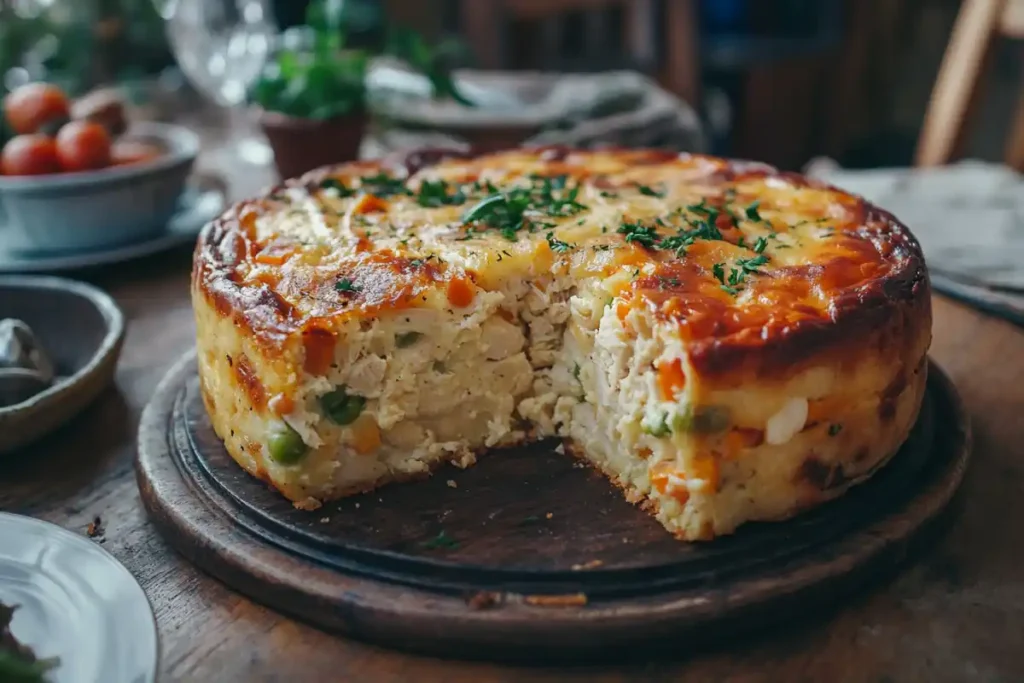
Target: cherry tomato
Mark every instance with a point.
(33, 106)
(132, 152)
(83, 146)
(29, 155)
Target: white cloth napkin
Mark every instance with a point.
(969, 216)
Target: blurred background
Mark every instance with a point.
(783, 81)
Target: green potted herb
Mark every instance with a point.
(312, 101)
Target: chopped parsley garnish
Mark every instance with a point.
(648, 191)
(643, 235)
(703, 208)
(442, 540)
(557, 245)
(752, 213)
(335, 184)
(434, 193)
(380, 185)
(668, 281)
(751, 265)
(383, 185)
(346, 285)
(677, 243)
(504, 212)
(834, 429)
(727, 284)
(760, 245)
(507, 211)
(576, 371)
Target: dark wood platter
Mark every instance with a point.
(528, 555)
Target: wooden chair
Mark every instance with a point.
(958, 89)
(485, 26)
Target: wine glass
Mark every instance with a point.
(222, 47)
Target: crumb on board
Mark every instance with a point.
(484, 600)
(95, 528)
(560, 449)
(308, 504)
(570, 600)
(452, 484)
(325, 520)
(549, 515)
(593, 564)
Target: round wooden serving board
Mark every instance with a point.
(528, 555)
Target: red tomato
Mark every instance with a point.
(83, 146)
(35, 105)
(29, 155)
(131, 152)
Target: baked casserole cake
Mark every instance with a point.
(724, 341)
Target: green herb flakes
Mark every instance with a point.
(557, 245)
(442, 540)
(346, 285)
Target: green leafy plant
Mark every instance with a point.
(18, 664)
(327, 78)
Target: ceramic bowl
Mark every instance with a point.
(104, 208)
(81, 329)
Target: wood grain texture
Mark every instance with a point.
(366, 566)
(955, 615)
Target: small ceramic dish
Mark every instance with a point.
(82, 331)
(200, 204)
(104, 208)
(76, 604)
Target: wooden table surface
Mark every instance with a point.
(955, 614)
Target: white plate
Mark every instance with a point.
(198, 207)
(77, 603)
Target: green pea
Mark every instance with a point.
(342, 408)
(286, 446)
(702, 420)
(406, 339)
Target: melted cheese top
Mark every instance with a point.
(726, 250)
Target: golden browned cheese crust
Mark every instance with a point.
(750, 278)
(870, 275)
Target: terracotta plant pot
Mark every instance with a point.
(300, 145)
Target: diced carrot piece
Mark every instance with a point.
(369, 203)
(671, 378)
(247, 218)
(706, 468)
(365, 435)
(460, 292)
(275, 254)
(741, 438)
(319, 344)
(621, 310)
(661, 480)
(281, 404)
(820, 409)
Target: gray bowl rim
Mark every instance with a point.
(102, 301)
(182, 149)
